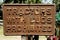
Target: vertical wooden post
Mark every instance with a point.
(24, 37)
(27, 37)
(31, 38)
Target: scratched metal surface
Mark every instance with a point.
(29, 19)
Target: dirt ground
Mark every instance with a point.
(2, 37)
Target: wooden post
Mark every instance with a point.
(31, 37)
(24, 37)
(27, 37)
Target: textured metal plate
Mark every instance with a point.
(24, 19)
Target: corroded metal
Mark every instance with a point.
(25, 19)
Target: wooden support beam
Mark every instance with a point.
(24, 37)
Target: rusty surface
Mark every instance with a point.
(29, 19)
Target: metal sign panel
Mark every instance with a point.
(33, 19)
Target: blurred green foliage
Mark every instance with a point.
(57, 2)
(23, 1)
(8, 1)
(58, 18)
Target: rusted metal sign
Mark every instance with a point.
(25, 19)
